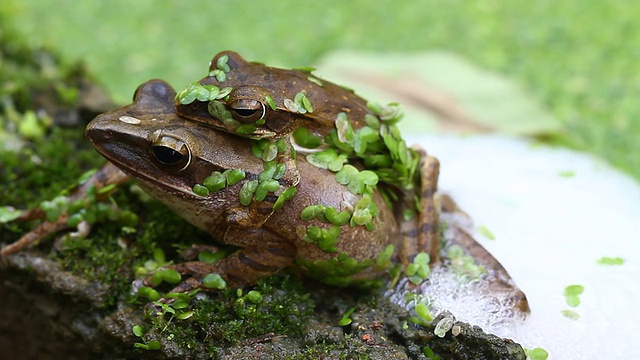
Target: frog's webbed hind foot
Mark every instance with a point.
(499, 279)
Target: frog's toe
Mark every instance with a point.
(192, 252)
(520, 302)
(192, 283)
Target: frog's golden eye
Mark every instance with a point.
(171, 153)
(248, 111)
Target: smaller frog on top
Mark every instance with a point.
(260, 102)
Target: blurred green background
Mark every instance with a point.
(580, 59)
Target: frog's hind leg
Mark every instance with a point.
(423, 235)
(244, 266)
(429, 239)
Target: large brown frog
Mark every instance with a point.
(312, 221)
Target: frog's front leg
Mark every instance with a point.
(262, 254)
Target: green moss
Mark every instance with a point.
(276, 304)
(45, 167)
(113, 253)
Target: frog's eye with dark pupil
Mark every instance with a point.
(247, 110)
(171, 153)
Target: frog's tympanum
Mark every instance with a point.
(290, 169)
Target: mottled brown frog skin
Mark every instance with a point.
(252, 83)
(269, 240)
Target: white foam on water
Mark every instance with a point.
(550, 230)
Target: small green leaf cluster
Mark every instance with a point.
(537, 354)
(463, 265)
(157, 261)
(383, 260)
(379, 144)
(364, 212)
(259, 189)
(572, 297)
(337, 271)
(146, 345)
(218, 181)
(222, 68)
(419, 270)
(315, 80)
(327, 159)
(214, 281)
(572, 294)
(89, 209)
(8, 214)
(273, 171)
(300, 104)
(422, 310)
(268, 150)
(304, 138)
(218, 110)
(428, 352)
(247, 305)
(179, 308)
(170, 276)
(286, 195)
(346, 320)
(605, 260)
(570, 314)
(34, 126)
(357, 181)
(196, 91)
(325, 239)
(390, 114)
(326, 214)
